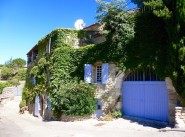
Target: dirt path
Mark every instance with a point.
(12, 124)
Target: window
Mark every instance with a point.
(99, 74)
(96, 74)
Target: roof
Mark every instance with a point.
(33, 48)
(93, 27)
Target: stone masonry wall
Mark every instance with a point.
(172, 101)
(110, 93)
(7, 94)
(180, 117)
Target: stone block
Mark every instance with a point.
(172, 97)
(171, 106)
(31, 108)
(171, 112)
(178, 108)
(178, 114)
(178, 111)
(119, 106)
(182, 117)
(171, 120)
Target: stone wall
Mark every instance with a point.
(180, 117)
(7, 94)
(110, 93)
(172, 101)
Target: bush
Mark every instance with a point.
(25, 93)
(107, 117)
(116, 114)
(22, 103)
(75, 99)
(34, 71)
(21, 75)
(14, 82)
(3, 85)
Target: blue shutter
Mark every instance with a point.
(105, 73)
(49, 46)
(88, 73)
(48, 103)
(37, 106)
(34, 81)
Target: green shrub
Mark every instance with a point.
(14, 82)
(42, 63)
(34, 71)
(21, 75)
(3, 85)
(116, 114)
(22, 103)
(76, 99)
(25, 95)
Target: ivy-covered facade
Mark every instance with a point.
(82, 74)
(55, 72)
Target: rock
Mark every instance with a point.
(179, 123)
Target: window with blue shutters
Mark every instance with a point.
(88, 73)
(96, 74)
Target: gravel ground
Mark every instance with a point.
(13, 124)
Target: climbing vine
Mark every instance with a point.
(134, 41)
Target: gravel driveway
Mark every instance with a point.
(12, 124)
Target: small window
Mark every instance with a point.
(99, 74)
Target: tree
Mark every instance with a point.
(172, 12)
(155, 37)
(8, 62)
(6, 72)
(21, 75)
(18, 63)
(118, 24)
(13, 68)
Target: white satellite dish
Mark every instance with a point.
(79, 24)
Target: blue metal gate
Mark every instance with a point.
(145, 99)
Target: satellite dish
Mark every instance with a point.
(79, 24)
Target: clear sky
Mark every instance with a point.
(24, 22)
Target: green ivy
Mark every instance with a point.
(57, 73)
(76, 99)
(4, 85)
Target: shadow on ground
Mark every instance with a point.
(147, 122)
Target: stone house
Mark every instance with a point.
(132, 93)
(139, 94)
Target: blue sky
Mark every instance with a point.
(24, 22)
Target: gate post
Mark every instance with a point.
(172, 101)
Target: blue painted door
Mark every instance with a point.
(145, 99)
